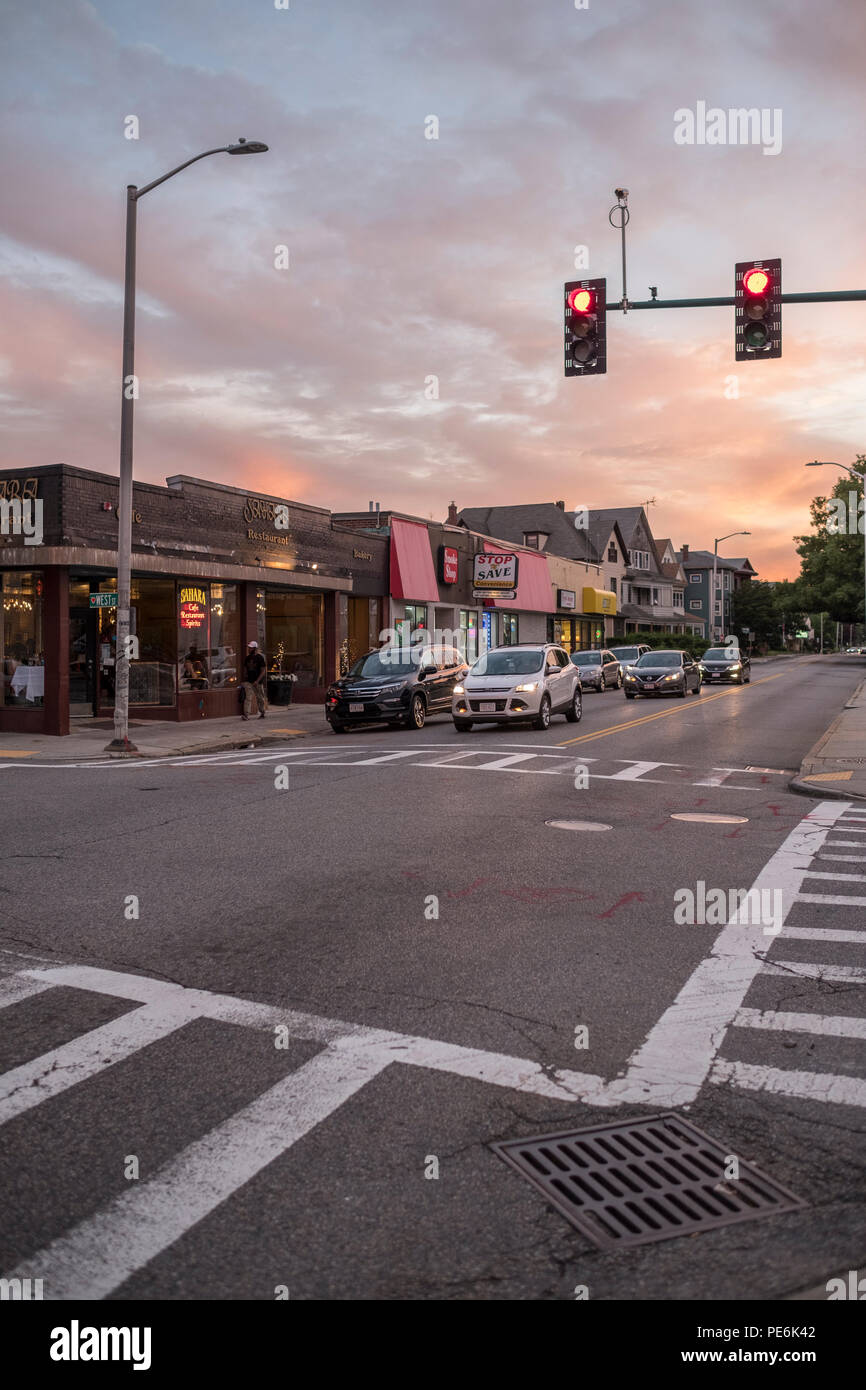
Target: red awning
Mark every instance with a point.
(412, 574)
(534, 590)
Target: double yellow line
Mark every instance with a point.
(666, 713)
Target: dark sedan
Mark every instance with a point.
(663, 673)
(726, 664)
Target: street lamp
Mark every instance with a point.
(858, 478)
(120, 743)
(715, 568)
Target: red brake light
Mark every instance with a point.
(756, 281)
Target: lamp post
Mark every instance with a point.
(715, 570)
(120, 744)
(858, 478)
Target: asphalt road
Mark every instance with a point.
(446, 969)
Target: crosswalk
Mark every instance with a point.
(697, 1043)
(518, 759)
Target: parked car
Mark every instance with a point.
(598, 670)
(726, 664)
(663, 673)
(510, 684)
(395, 685)
(627, 656)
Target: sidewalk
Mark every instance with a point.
(164, 738)
(836, 767)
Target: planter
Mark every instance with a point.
(280, 690)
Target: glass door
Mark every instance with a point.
(82, 662)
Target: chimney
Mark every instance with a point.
(452, 513)
(561, 506)
(685, 553)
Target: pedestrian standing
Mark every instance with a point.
(255, 670)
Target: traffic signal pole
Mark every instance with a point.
(816, 297)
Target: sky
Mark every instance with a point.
(405, 345)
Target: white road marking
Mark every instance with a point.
(633, 773)
(859, 878)
(843, 858)
(802, 1085)
(14, 988)
(87, 1055)
(819, 1024)
(825, 934)
(830, 899)
(809, 970)
(106, 1249)
(675, 1060)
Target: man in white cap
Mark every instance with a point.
(255, 670)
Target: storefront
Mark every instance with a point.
(213, 568)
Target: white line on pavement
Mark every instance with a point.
(825, 934)
(87, 1055)
(820, 1024)
(100, 1254)
(809, 970)
(842, 858)
(802, 1085)
(830, 899)
(14, 988)
(673, 1063)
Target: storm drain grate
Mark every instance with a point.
(637, 1181)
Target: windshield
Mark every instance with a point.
(390, 661)
(508, 662)
(661, 659)
(720, 654)
(586, 658)
(625, 653)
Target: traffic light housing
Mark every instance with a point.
(757, 309)
(585, 309)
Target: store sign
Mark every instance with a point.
(566, 598)
(18, 487)
(449, 560)
(361, 555)
(103, 600)
(495, 575)
(193, 609)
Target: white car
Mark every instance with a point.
(509, 684)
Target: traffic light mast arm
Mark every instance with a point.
(816, 297)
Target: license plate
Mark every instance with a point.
(488, 706)
(649, 685)
(356, 709)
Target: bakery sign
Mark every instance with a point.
(448, 564)
(494, 575)
(193, 608)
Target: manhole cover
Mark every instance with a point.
(710, 820)
(578, 825)
(637, 1181)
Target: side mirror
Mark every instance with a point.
(429, 670)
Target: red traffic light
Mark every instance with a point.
(756, 281)
(581, 301)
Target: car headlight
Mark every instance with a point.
(459, 690)
(630, 677)
(736, 666)
(388, 690)
(674, 676)
(528, 687)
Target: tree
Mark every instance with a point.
(755, 606)
(831, 574)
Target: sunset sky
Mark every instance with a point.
(412, 257)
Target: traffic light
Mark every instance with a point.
(585, 327)
(757, 309)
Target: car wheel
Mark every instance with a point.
(684, 692)
(619, 680)
(463, 725)
(338, 728)
(746, 679)
(575, 709)
(417, 712)
(542, 719)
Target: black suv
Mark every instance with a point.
(395, 685)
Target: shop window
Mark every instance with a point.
(413, 625)
(294, 636)
(193, 636)
(508, 629)
(468, 635)
(21, 639)
(225, 635)
(152, 623)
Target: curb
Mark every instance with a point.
(812, 761)
(188, 751)
(823, 793)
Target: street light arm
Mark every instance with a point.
(140, 192)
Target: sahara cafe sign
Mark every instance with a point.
(193, 609)
(495, 575)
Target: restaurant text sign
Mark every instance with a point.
(193, 608)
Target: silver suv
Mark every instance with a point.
(507, 684)
(598, 670)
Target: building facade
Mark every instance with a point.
(213, 568)
(714, 610)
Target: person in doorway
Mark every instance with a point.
(255, 671)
